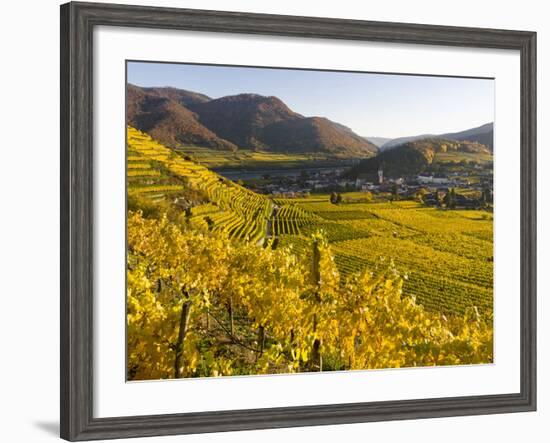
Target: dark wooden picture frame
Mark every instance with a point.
(77, 23)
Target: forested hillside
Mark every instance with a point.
(414, 157)
(251, 121)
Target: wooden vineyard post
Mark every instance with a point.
(316, 357)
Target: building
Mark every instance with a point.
(425, 179)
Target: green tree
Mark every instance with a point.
(486, 197)
(453, 198)
(421, 195)
(450, 199)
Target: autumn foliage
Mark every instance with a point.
(201, 304)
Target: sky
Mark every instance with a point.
(371, 104)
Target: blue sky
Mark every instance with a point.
(380, 105)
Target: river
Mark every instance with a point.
(248, 174)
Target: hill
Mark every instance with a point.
(182, 96)
(414, 156)
(250, 121)
(317, 134)
(162, 114)
(242, 118)
(402, 140)
(482, 134)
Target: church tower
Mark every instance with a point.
(380, 175)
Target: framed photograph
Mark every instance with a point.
(272, 221)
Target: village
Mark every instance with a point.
(430, 186)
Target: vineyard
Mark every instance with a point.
(446, 256)
(212, 158)
(200, 306)
(158, 173)
(290, 219)
(226, 281)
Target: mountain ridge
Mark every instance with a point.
(252, 121)
(168, 121)
(482, 134)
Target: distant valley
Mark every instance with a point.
(378, 141)
(262, 240)
(249, 135)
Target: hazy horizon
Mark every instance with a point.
(371, 104)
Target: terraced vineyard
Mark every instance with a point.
(290, 219)
(145, 176)
(158, 173)
(446, 255)
(212, 158)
